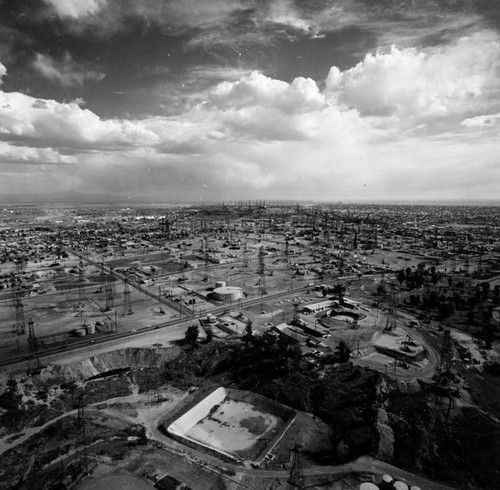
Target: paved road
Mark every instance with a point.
(113, 337)
(364, 464)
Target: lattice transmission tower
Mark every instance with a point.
(19, 327)
(127, 307)
(296, 479)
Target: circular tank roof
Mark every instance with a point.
(227, 290)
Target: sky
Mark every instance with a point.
(217, 100)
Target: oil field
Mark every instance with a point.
(255, 345)
(249, 244)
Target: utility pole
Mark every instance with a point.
(245, 254)
(287, 254)
(262, 275)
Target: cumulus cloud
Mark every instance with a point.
(480, 121)
(51, 123)
(410, 82)
(256, 89)
(65, 71)
(22, 154)
(3, 72)
(258, 134)
(76, 8)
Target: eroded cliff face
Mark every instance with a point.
(34, 401)
(131, 357)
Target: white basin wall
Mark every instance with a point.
(183, 424)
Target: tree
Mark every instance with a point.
(446, 309)
(192, 334)
(248, 331)
(343, 352)
(401, 276)
(210, 334)
(339, 290)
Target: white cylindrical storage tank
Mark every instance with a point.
(90, 329)
(228, 293)
(220, 284)
(413, 487)
(80, 332)
(368, 486)
(399, 485)
(387, 481)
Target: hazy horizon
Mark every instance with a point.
(99, 199)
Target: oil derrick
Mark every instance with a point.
(342, 261)
(110, 297)
(127, 308)
(287, 254)
(110, 291)
(391, 323)
(443, 385)
(34, 365)
(81, 288)
(20, 264)
(32, 340)
(324, 261)
(102, 277)
(153, 382)
(245, 255)
(261, 272)
(295, 313)
(296, 478)
(19, 327)
(481, 265)
(341, 232)
(81, 437)
(446, 352)
(205, 258)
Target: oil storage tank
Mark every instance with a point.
(228, 293)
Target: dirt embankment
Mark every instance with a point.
(32, 402)
(133, 358)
